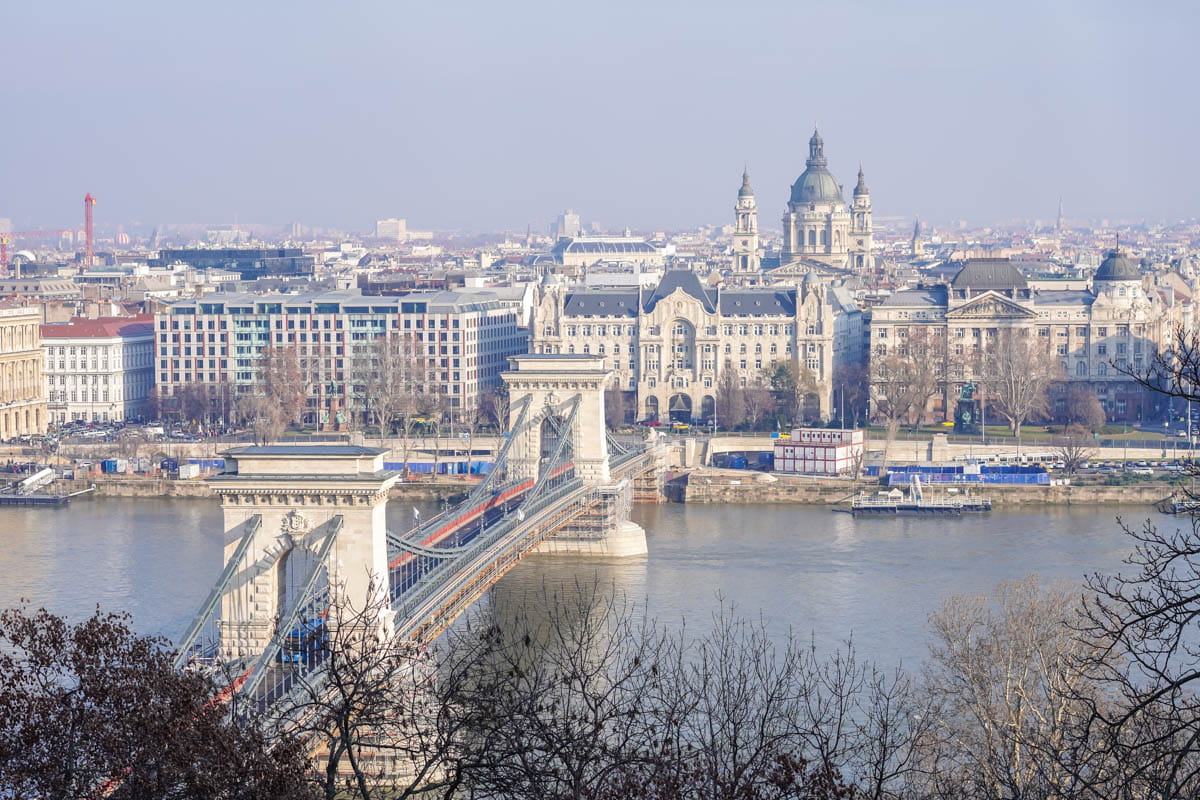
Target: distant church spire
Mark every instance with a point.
(746, 190)
(861, 188)
(1061, 222)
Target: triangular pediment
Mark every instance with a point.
(991, 305)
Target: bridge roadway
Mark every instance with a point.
(433, 580)
(421, 613)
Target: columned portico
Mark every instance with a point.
(291, 499)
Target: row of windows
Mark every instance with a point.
(508, 321)
(1044, 331)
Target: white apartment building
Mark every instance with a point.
(99, 370)
(464, 339)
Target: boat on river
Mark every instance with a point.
(915, 503)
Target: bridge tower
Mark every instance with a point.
(549, 381)
(293, 515)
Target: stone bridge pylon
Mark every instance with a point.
(550, 382)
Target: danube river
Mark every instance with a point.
(802, 568)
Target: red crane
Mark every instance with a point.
(6, 237)
(89, 253)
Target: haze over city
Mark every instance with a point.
(496, 116)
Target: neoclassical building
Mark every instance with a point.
(1120, 321)
(819, 225)
(669, 347)
(22, 387)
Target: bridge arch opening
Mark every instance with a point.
(551, 432)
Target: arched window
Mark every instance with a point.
(1121, 291)
(824, 237)
(812, 238)
(1102, 369)
(1081, 369)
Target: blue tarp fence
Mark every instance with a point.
(443, 467)
(1013, 474)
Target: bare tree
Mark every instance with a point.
(1005, 694)
(1074, 449)
(904, 380)
(381, 721)
(153, 409)
(1084, 408)
(263, 416)
(1141, 630)
(392, 379)
(853, 385)
(130, 443)
(284, 382)
(759, 403)
(494, 404)
(730, 399)
(1017, 369)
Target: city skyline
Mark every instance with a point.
(496, 121)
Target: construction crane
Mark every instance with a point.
(5, 238)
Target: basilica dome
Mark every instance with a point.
(816, 184)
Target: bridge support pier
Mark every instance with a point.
(602, 528)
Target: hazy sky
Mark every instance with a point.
(491, 115)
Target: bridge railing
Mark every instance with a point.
(509, 540)
(430, 558)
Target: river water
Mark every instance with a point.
(801, 568)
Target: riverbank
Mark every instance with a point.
(748, 488)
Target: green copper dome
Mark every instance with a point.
(1117, 267)
(816, 184)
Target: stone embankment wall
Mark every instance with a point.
(704, 488)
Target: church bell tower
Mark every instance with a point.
(745, 229)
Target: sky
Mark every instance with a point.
(487, 116)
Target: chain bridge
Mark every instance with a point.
(307, 539)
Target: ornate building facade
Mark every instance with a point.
(22, 387)
(1120, 322)
(819, 225)
(670, 347)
